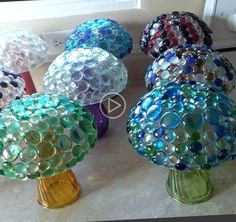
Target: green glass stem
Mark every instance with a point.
(189, 187)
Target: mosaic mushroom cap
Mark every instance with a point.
(86, 75)
(192, 63)
(11, 86)
(103, 33)
(21, 50)
(42, 135)
(174, 29)
(185, 126)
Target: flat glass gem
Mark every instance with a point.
(46, 150)
(28, 154)
(154, 112)
(33, 137)
(63, 143)
(170, 120)
(193, 121)
(40, 144)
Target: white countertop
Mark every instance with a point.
(117, 184)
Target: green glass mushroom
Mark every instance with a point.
(42, 137)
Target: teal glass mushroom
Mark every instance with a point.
(41, 137)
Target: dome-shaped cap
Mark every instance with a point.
(86, 75)
(11, 86)
(103, 33)
(42, 135)
(185, 126)
(21, 50)
(192, 63)
(174, 29)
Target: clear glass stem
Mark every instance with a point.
(58, 191)
(189, 187)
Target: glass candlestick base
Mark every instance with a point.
(102, 121)
(189, 187)
(58, 191)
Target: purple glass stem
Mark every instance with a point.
(101, 120)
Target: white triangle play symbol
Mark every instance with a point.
(112, 105)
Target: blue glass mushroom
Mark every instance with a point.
(103, 33)
(192, 63)
(188, 127)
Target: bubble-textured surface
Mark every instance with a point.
(174, 29)
(42, 135)
(86, 75)
(21, 50)
(192, 63)
(185, 126)
(11, 86)
(103, 33)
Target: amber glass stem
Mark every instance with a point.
(58, 191)
(189, 187)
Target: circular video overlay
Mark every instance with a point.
(115, 104)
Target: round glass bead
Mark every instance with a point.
(45, 146)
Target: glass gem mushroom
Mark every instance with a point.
(174, 29)
(12, 86)
(188, 127)
(42, 137)
(103, 33)
(22, 50)
(87, 75)
(192, 63)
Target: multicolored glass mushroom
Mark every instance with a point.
(21, 51)
(12, 86)
(103, 33)
(87, 75)
(192, 63)
(174, 29)
(188, 127)
(41, 137)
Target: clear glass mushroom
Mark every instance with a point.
(188, 127)
(174, 29)
(42, 137)
(103, 33)
(22, 50)
(192, 63)
(87, 75)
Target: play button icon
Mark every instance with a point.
(115, 104)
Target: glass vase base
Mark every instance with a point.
(191, 187)
(58, 191)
